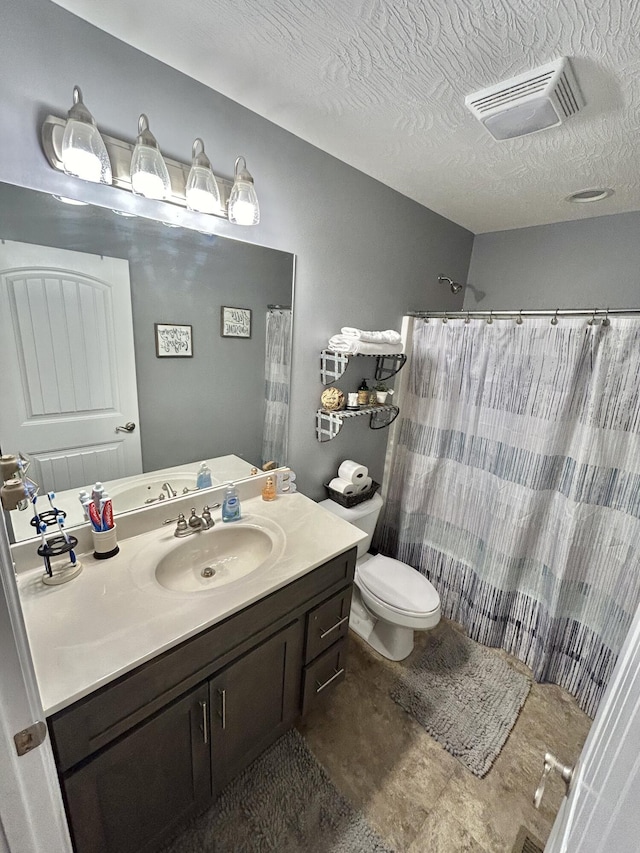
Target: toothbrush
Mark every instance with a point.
(42, 529)
(51, 496)
(36, 517)
(60, 521)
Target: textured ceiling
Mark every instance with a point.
(380, 84)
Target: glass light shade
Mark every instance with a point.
(243, 201)
(149, 173)
(84, 154)
(202, 191)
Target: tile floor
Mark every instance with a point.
(418, 797)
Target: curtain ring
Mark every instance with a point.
(519, 318)
(490, 318)
(445, 319)
(592, 321)
(606, 321)
(468, 319)
(554, 319)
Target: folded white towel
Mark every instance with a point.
(386, 337)
(353, 346)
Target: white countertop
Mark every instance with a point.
(114, 617)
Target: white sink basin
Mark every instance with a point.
(209, 559)
(213, 558)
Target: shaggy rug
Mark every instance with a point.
(465, 695)
(285, 802)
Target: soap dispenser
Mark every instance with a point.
(203, 480)
(269, 490)
(231, 504)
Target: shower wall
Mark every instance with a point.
(582, 264)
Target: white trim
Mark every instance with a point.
(32, 818)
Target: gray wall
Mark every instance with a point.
(583, 264)
(365, 254)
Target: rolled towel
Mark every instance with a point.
(389, 336)
(353, 346)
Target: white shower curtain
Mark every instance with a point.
(515, 487)
(277, 375)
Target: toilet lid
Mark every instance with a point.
(398, 585)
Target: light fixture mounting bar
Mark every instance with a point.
(120, 153)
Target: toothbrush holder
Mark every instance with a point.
(105, 543)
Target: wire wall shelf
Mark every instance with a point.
(334, 364)
(329, 424)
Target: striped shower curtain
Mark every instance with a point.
(515, 487)
(277, 368)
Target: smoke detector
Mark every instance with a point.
(542, 98)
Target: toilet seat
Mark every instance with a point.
(397, 586)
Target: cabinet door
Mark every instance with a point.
(128, 797)
(254, 701)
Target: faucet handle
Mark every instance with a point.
(181, 526)
(206, 516)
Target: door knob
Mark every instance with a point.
(128, 427)
(552, 763)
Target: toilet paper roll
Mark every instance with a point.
(345, 487)
(352, 471)
(363, 485)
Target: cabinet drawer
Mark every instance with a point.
(327, 623)
(321, 676)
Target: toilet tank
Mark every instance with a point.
(364, 516)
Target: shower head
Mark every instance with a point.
(455, 287)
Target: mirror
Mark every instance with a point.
(209, 405)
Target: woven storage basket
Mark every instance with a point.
(349, 501)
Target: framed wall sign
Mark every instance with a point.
(173, 341)
(235, 322)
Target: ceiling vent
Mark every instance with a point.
(542, 98)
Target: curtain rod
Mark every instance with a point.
(499, 315)
(280, 307)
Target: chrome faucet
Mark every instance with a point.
(195, 524)
(168, 488)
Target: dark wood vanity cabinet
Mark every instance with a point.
(253, 702)
(130, 795)
(154, 747)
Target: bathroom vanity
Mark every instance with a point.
(143, 739)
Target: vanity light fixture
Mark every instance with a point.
(243, 201)
(84, 154)
(149, 173)
(75, 146)
(202, 191)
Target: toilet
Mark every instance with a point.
(390, 600)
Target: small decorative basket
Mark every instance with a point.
(349, 501)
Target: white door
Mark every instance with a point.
(67, 376)
(602, 812)
(31, 812)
